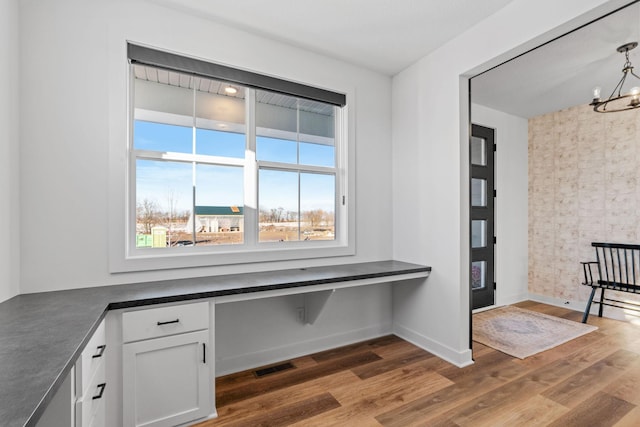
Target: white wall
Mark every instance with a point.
(258, 332)
(511, 173)
(68, 67)
(9, 150)
(430, 103)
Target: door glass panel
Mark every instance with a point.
(478, 233)
(478, 151)
(478, 274)
(478, 192)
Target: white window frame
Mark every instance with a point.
(124, 257)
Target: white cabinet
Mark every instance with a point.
(166, 365)
(90, 378)
(80, 401)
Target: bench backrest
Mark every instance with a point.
(618, 264)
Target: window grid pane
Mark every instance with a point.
(163, 203)
(278, 195)
(219, 214)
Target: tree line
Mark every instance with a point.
(313, 217)
(149, 214)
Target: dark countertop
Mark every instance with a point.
(42, 334)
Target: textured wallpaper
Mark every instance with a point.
(584, 186)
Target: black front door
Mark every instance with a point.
(482, 216)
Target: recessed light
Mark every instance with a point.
(231, 90)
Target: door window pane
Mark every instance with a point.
(478, 192)
(478, 151)
(478, 274)
(478, 233)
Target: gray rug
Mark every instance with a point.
(523, 333)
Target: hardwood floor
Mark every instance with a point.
(593, 380)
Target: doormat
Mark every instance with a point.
(523, 333)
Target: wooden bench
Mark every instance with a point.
(618, 269)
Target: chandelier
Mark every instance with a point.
(618, 101)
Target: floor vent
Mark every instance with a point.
(272, 369)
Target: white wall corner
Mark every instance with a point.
(511, 298)
(460, 358)
(9, 148)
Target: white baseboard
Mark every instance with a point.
(279, 354)
(608, 312)
(558, 302)
(511, 299)
(457, 358)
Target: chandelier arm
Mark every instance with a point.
(618, 87)
(634, 74)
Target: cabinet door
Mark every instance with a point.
(166, 380)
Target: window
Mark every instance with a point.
(218, 166)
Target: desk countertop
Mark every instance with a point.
(42, 334)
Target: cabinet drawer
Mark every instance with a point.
(92, 400)
(90, 359)
(163, 321)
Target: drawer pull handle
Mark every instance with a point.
(169, 322)
(204, 353)
(99, 395)
(100, 351)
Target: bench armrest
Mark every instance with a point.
(588, 275)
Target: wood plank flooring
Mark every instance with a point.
(593, 380)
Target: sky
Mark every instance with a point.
(171, 182)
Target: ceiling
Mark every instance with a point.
(563, 73)
(382, 35)
(389, 35)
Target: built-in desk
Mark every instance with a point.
(42, 334)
